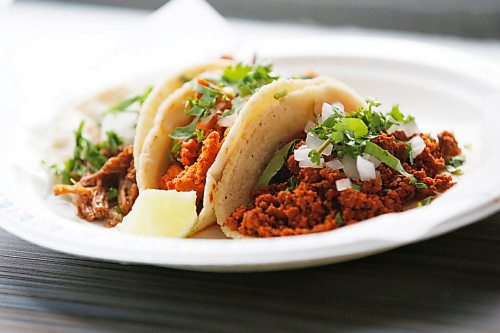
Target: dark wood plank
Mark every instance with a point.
(448, 284)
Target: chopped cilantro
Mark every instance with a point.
(409, 152)
(425, 202)
(244, 79)
(351, 134)
(338, 219)
(315, 156)
(186, 132)
(420, 185)
(275, 164)
(87, 156)
(125, 106)
(118, 210)
(112, 193)
(386, 157)
(356, 188)
(398, 116)
(455, 161)
(113, 141)
(184, 79)
(453, 164)
(292, 184)
(176, 147)
(199, 134)
(280, 94)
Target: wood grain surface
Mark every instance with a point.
(447, 284)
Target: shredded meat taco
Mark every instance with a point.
(320, 158)
(101, 174)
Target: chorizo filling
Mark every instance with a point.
(345, 169)
(214, 107)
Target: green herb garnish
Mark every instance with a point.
(351, 133)
(199, 134)
(280, 94)
(275, 164)
(339, 220)
(292, 184)
(87, 156)
(113, 141)
(112, 193)
(176, 147)
(409, 152)
(386, 157)
(453, 164)
(125, 106)
(118, 210)
(247, 79)
(425, 202)
(356, 188)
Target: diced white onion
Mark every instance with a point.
(228, 91)
(210, 76)
(310, 124)
(122, 123)
(417, 145)
(343, 184)
(314, 142)
(410, 129)
(208, 119)
(334, 164)
(227, 121)
(326, 111)
(350, 168)
(301, 153)
(310, 164)
(339, 107)
(372, 159)
(366, 169)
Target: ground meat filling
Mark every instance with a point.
(108, 194)
(315, 204)
(194, 158)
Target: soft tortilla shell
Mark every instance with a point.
(155, 157)
(160, 92)
(267, 125)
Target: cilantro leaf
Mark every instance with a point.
(186, 132)
(280, 94)
(339, 220)
(386, 157)
(275, 164)
(125, 105)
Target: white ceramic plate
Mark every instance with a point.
(443, 89)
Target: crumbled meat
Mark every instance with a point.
(127, 190)
(315, 204)
(91, 192)
(448, 145)
(193, 177)
(115, 165)
(189, 151)
(194, 159)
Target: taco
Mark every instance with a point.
(320, 158)
(161, 91)
(181, 151)
(100, 176)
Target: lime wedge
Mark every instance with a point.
(162, 213)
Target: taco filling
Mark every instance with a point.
(102, 175)
(213, 108)
(345, 168)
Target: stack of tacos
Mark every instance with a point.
(260, 155)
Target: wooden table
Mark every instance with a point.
(447, 284)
